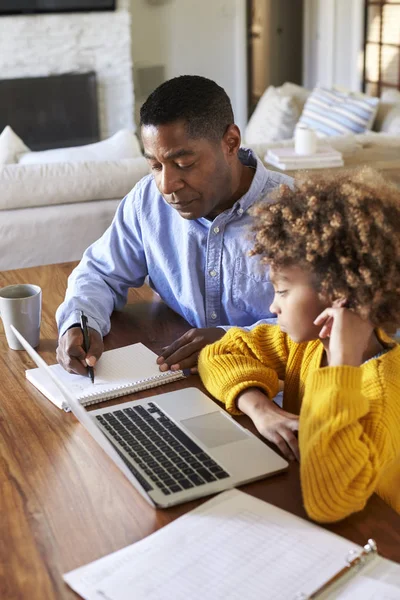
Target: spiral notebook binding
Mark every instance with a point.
(128, 388)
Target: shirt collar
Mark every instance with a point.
(256, 190)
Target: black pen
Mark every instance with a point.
(86, 342)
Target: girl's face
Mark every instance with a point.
(296, 303)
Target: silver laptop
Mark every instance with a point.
(173, 447)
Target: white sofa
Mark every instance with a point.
(274, 119)
(54, 204)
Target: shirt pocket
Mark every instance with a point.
(252, 290)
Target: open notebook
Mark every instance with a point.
(118, 372)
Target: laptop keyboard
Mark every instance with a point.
(171, 460)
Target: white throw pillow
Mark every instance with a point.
(388, 112)
(10, 146)
(123, 144)
(27, 186)
(274, 118)
(297, 92)
(394, 128)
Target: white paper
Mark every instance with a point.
(384, 570)
(239, 547)
(86, 579)
(365, 588)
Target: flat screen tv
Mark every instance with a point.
(14, 7)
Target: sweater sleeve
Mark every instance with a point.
(342, 457)
(243, 359)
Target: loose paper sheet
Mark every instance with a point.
(234, 546)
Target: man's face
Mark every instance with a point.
(194, 175)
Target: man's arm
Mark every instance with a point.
(99, 285)
(109, 267)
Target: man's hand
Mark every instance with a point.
(70, 352)
(184, 352)
(275, 424)
(348, 335)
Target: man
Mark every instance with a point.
(185, 226)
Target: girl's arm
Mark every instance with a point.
(344, 446)
(244, 359)
(242, 370)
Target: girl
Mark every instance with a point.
(333, 249)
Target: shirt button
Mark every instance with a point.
(213, 315)
(213, 273)
(240, 211)
(216, 230)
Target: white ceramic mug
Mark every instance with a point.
(305, 140)
(21, 306)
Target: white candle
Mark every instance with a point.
(305, 140)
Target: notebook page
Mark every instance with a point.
(365, 588)
(118, 367)
(236, 549)
(384, 570)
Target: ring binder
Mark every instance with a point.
(355, 561)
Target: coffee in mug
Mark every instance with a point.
(21, 306)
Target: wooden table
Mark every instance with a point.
(63, 503)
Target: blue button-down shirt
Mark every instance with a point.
(200, 268)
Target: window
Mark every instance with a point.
(382, 46)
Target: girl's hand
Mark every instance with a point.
(348, 335)
(275, 424)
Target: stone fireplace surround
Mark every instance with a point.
(42, 45)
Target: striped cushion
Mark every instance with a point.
(330, 112)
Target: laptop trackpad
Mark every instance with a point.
(214, 429)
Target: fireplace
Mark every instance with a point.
(51, 112)
(9, 7)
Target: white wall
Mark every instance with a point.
(333, 43)
(206, 37)
(40, 45)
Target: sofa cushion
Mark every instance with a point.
(297, 92)
(11, 146)
(388, 112)
(357, 94)
(51, 234)
(274, 118)
(394, 128)
(123, 144)
(25, 186)
(331, 112)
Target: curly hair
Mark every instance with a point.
(345, 230)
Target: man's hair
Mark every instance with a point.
(345, 230)
(203, 105)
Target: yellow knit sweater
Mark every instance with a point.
(349, 427)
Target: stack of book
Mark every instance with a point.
(286, 158)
